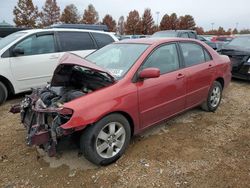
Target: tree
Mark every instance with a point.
(245, 31)
(200, 30)
(221, 31)
(121, 25)
(187, 22)
(169, 22)
(109, 22)
(235, 31)
(173, 21)
(90, 15)
(147, 22)
(70, 15)
(164, 25)
(133, 24)
(229, 32)
(25, 14)
(50, 13)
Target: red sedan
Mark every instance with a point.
(120, 90)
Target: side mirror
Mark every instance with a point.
(149, 73)
(18, 51)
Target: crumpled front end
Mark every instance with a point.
(42, 121)
(240, 63)
(43, 112)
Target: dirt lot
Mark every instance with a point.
(195, 149)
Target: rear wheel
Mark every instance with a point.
(3, 93)
(214, 97)
(104, 142)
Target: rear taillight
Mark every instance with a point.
(66, 111)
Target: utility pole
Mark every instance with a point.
(236, 25)
(212, 26)
(157, 18)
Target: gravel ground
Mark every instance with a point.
(195, 149)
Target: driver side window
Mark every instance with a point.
(164, 58)
(34, 45)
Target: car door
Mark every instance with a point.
(77, 42)
(162, 97)
(35, 64)
(199, 70)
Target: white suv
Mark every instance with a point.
(28, 58)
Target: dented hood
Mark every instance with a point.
(72, 59)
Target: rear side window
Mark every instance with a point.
(102, 39)
(192, 35)
(194, 54)
(34, 45)
(184, 35)
(74, 41)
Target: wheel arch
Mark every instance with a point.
(8, 85)
(221, 81)
(126, 115)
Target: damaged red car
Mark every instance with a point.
(120, 90)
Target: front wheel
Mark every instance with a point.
(104, 142)
(214, 97)
(3, 93)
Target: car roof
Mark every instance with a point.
(151, 41)
(31, 31)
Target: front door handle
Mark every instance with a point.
(180, 76)
(54, 57)
(210, 66)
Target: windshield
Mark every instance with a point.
(10, 38)
(165, 34)
(117, 58)
(243, 42)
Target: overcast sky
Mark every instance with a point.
(223, 13)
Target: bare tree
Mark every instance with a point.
(50, 13)
(147, 22)
(187, 22)
(133, 25)
(90, 15)
(109, 22)
(121, 28)
(70, 15)
(25, 14)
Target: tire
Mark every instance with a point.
(214, 98)
(104, 142)
(3, 93)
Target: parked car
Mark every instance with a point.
(222, 40)
(208, 42)
(238, 51)
(123, 37)
(183, 34)
(7, 30)
(28, 58)
(120, 90)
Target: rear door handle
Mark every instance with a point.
(180, 76)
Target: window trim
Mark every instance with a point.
(10, 54)
(203, 49)
(135, 77)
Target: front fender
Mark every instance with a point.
(93, 107)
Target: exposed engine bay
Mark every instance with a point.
(42, 112)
